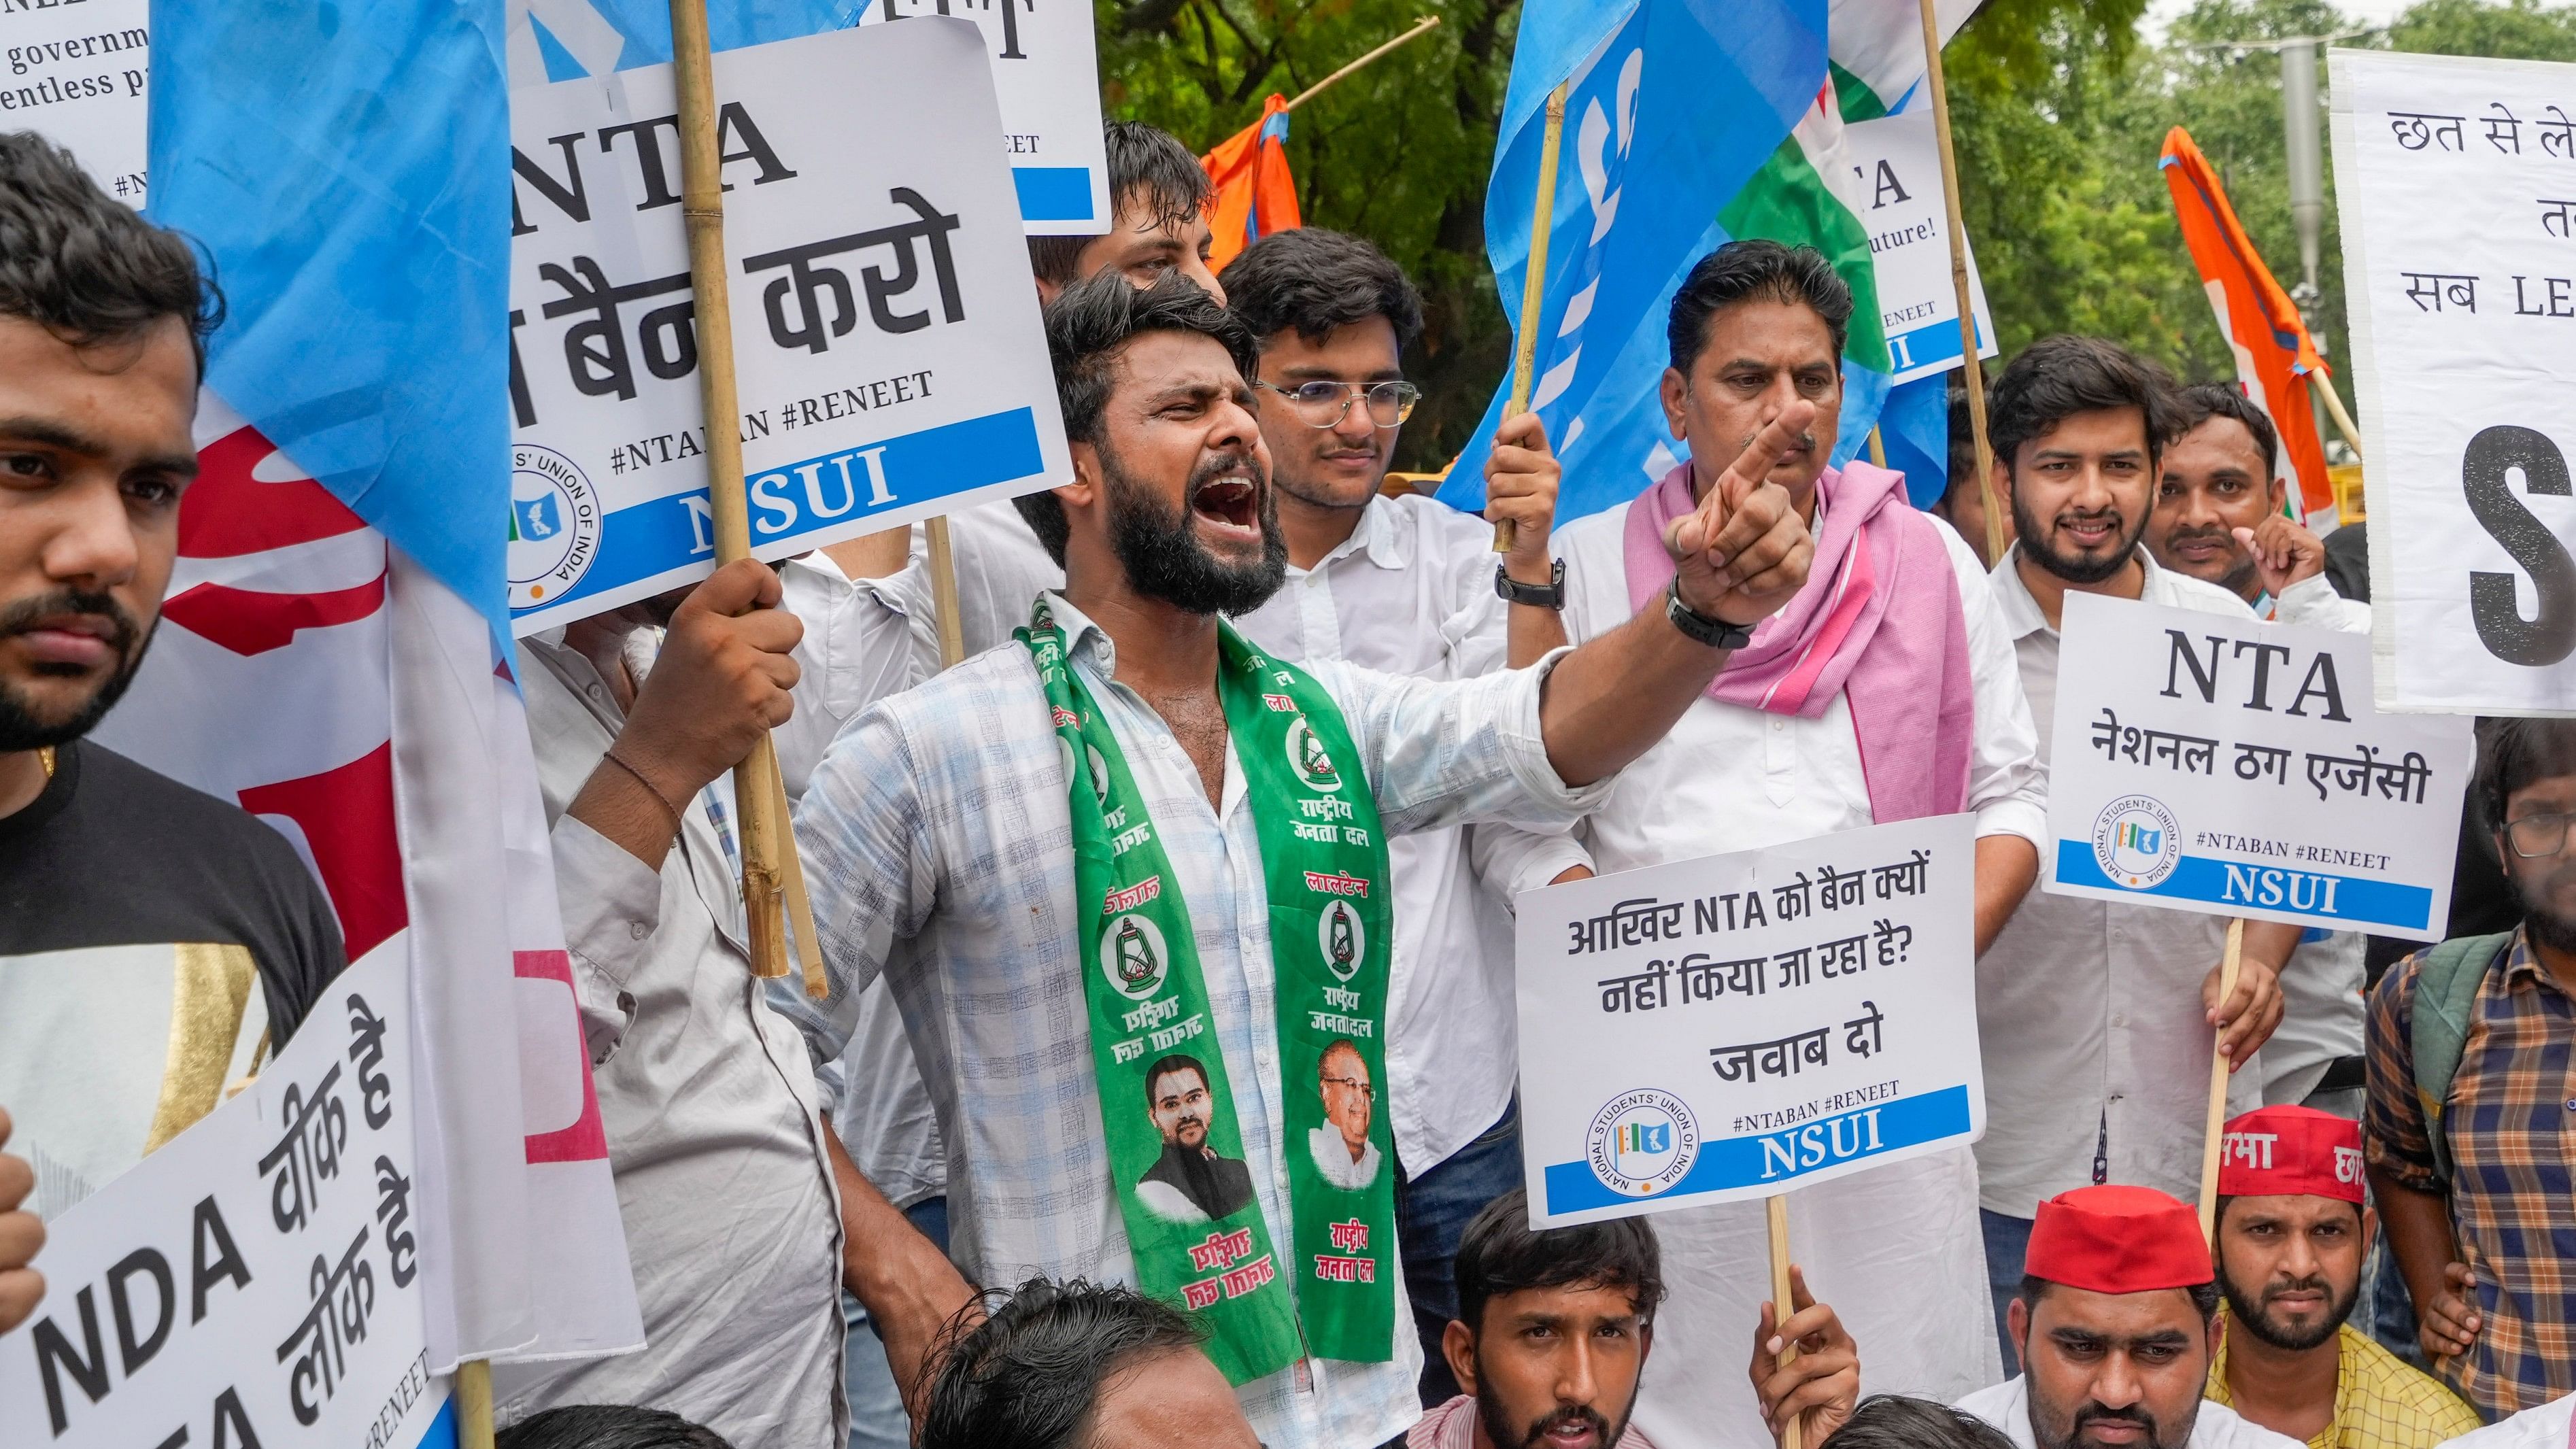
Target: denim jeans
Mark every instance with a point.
(1431, 1214)
(877, 1419)
(2007, 1246)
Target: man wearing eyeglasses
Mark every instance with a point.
(2472, 1108)
(1405, 585)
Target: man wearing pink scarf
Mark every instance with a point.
(1886, 690)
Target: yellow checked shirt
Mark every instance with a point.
(2380, 1402)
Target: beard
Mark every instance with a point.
(20, 727)
(2251, 1315)
(1163, 556)
(2158, 1435)
(2536, 893)
(2240, 575)
(1507, 1435)
(2075, 569)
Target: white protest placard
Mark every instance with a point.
(257, 1279)
(2233, 767)
(81, 74)
(1898, 162)
(2457, 183)
(1046, 67)
(886, 334)
(1739, 1025)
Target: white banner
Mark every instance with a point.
(80, 73)
(1898, 162)
(256, 1280)
(1736, 1026)
(2455, 178)
(1046, 69)
(2236, 768)
(886, 333)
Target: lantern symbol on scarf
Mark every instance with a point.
(1306, 754)
(1343, 949)
(1343, 939)
(1136, 964)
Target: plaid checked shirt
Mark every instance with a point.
(938, 847)
(2380, 1402)
(2511, 1120)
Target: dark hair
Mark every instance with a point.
(1963, 444)
(2513, 753)
(1755, 271)
(1893, 1421)
(607, 1426)
(1088, 326)
(1147, 166)
(2055, 378)
(2205, 400)
(2204, 1296)
(1501, 1254)
(1316, 280)
(1029, 1376)
(84, 266)
(1176, 1062)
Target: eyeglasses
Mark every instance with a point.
(1354, 1084)
(1323, 403)
(2535, 836)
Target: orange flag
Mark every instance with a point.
(1255, 195)
(2275, 357)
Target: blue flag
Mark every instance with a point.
(346, 169)
(1684, 98)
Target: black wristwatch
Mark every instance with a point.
(1550, 595)
(1699, 627)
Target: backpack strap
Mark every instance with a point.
(2446, 990)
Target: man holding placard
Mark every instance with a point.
(1885, 692)
(1226, 806)
(2095, 1018)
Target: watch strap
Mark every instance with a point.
(1701, 628)
(1549, 595)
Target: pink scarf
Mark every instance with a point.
(1879, 622)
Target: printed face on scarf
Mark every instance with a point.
(94, 453)
(2081, 492)
(1553, 1368)
(1347, 1095)
(2291, 1265)
(1183, 480)
(2112, 1370)
(1181, 1107)
(2213, 483)
(1760, 356)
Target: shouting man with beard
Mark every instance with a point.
(2113, 1324)
(2292, 1229)
(1129, 830)
(2470, 1105)
(2094, 1017)
(151, 937)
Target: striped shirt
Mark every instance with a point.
(937, 843)
(2511, 1121)
(2380, 1402)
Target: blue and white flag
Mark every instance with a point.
(555, 40)
(1687, 98)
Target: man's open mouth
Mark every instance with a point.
(1231, 501)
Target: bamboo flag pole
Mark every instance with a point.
(1420, 28)
(2217, 1124)
(1776, 1208)
(1959, 278)
(1877, 447)
(943, 594)
(760, 795)
(473, 1390)
(2325, 389)
(1534, 285)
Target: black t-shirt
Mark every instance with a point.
(113, 854)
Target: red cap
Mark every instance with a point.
(2118, 1240)
(2291, 1152)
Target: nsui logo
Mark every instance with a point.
(554, 525)
(1642, 1142)
(2137, 842)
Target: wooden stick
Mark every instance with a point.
(2217, 1124)
(1968, 358)
(473, 1390)
(1877, 447)
(1534, 285)
(1776, 1207)
(1420, 28)
(2334, 409)
(760, 795)
(943, 594)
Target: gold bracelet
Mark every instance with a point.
(650, 789)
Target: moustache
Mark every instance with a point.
(23, 616)
(2311, 1284)
(2093, 1413)
(2211, 531)
(1568, 1418)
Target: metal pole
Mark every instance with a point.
(2299, 134)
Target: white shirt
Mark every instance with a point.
(1001, 569)
(732, 1218)
(2089, 1012)
(2215, 1426)
(1411, 591)
(1333, 1158)
(2546, 1426)
(1896, 1250)
(939, 822)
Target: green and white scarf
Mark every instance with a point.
(1193, 1223)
